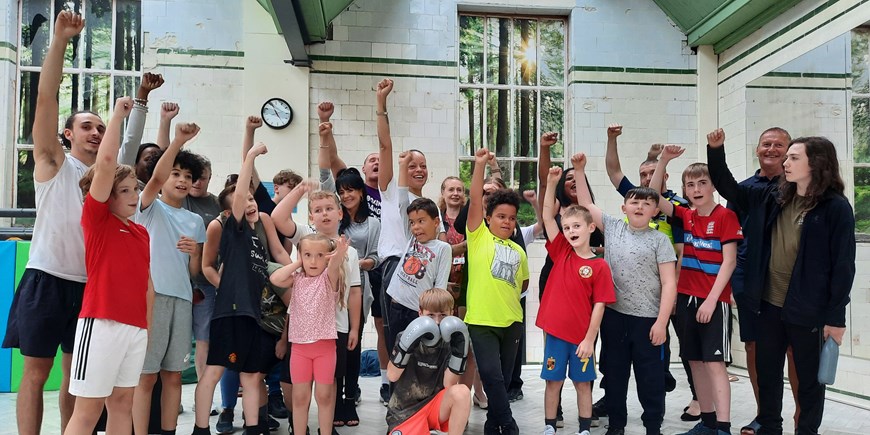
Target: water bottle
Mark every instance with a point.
(828, 362)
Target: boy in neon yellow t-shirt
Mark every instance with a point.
(498, 273)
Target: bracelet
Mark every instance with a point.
(496, 170)
(141, 101)
(384, 113)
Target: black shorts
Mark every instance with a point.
(388, 267)
(240, 344)
(376, 278)
(708, 342)
(341, 355)
(285, 366)
(43, 315)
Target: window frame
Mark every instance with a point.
(509, 163)
(853, 96)
(80, 70)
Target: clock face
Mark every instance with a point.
(276, 113)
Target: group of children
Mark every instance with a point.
(175, 263)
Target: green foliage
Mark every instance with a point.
(526, 214)
(862, 207)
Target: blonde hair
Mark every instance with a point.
(436, 300)
(317, 237)
(322, 194)
(122, 172)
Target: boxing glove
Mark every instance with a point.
(422, 330)
(455, 333)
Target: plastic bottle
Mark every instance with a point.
(828, 362)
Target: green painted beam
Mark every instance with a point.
(751, 25)
(715, 20)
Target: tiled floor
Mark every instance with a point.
(843, 415)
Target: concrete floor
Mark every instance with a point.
(843, 414)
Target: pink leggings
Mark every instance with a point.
(313, 361)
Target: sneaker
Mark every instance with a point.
(615, 431)
(276, 406)
(515, 395)
(510, 429)
(599, 409)
(585, 432)
(272, 423)
(594, 421)
(385, 394)
(225, 422)
(560, 422)
(700, 429)
(549, 430)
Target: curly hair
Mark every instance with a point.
(502, 196)
(184, 160)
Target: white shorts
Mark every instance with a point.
(106, 354)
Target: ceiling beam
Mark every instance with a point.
(714, 19)
(295, 35)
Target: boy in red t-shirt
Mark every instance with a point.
(704, 289)
(579, 286)
(112, 330)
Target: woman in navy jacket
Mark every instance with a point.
(806, 222)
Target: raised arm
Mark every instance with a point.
(669, 153)
(611, 157)
(136, 122)
(251, 125)
(282, 216)
(183, 133)
(494, 168)
(47, 151)
(475, 203)
(584, 197)
(385, 143)
(549, 212)
(168, 111)
(547, 141)
(240, 196)
(276, 249)
(371, 259)
(327, 141)
(106, 164)
(532, 198)
(324, 112)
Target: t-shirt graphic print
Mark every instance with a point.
(505, 263)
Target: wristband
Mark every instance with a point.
(384, 113)
(141, 101)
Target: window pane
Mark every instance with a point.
(552, 53)
(470, 121)
(553, 119)
(95, 94)
(525, 176)
(498, 50)
(471, 49)
(128, 39)
(525, 124)
(72, 57)
(35, 27)
(525, 50)
(862, 200)
(25, 196)
(27, 106)
(125, 86)
(98, 34)
(465, 168)
(861, 129)
(70, 90)
(498, 121)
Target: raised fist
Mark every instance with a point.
(253, 122)
(671, 152)
(578, 161)
(549, 139)
(614, 130)
(123, 106)
(716, 138)
(384, 88)
(169, 110)
(151, 81)
(186, 131)
(483, 155)
(325, 111)
(553, 176)
(325, 128)
(68, 25)
(258, 150)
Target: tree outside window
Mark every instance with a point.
(100, 65)
(861, 126)
(512, 81)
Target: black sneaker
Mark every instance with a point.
(276, 406)
(594, 421)
(615, 431)
(599, 409)
(225, 422)
(385, 394)
(515, 395)
(272, 423)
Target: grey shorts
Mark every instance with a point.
(202, 313)
(169, 338)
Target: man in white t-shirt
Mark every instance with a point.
(46, 306)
